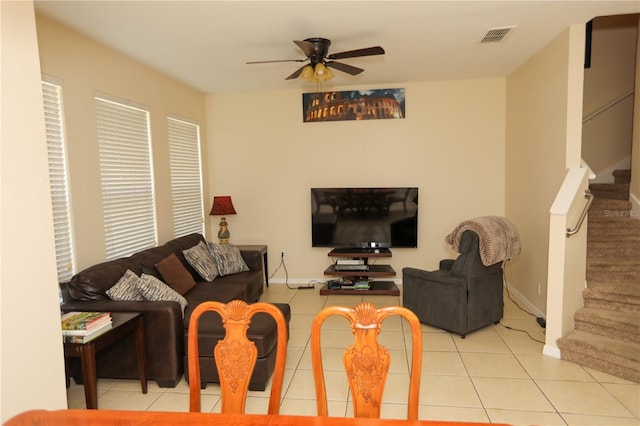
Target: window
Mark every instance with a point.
(186, 177)
(124, 145)
(58, 182)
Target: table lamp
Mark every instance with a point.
(222, 205)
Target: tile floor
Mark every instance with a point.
(494, 375)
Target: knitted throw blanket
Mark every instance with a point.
(499, 238)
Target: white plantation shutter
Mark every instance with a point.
(124, 144)
(186, 177)
(58, 182)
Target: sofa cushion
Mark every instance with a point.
(126, 288)
(153, 289)
(175, 274)
(228, 259)
(262, 331)
(199, 257)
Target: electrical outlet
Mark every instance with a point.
(539, 288)
(282, 254)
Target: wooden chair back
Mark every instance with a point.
(367, 362)
(235, 355)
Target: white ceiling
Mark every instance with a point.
(206, 44)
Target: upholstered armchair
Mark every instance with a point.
(463, 295)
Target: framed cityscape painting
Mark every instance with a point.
(372, 104)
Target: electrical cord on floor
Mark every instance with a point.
(506, 286)
(286, 276)
(286, 273)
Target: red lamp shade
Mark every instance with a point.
(222, 206)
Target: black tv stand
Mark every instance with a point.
(371, 273)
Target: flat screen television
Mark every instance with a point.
(364, 217)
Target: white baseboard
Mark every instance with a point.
(523, 301)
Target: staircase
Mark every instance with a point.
(607, 329)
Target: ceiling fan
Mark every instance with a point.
(318, 69)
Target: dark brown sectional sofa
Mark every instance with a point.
(165, 327)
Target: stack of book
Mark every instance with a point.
(81, 327)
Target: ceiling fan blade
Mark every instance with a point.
(281, 60)
(296, 73)
(344, 67)
(307, 47)
(367, 51)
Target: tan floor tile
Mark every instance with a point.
(515, 417)
(627, 394)
(294, 354)
(392, 339)
(455, 391)
(605, 377)
(520, 343)
(492, 365)
(483, 340)
(584, 420)
(76, 398)
(434, 342)
(298, 338)
(382, 301)
(396, 390)
(306, 296)
(302, 385)
(582, 398)
(307, 407)
(126, 400)
(301, 322)
(511, 394)
(443, 363)
(452, 414)
(179, 402)
(395, 323)
(306, 308)
(544, 367)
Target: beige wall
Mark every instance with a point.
(536, 157)
(85, 68)
(635, 162)
(607, 137)
(450, 145)
(31, 361)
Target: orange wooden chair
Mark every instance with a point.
(367, 362)
(235, 355)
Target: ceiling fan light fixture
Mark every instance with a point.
(307, 73)
(322, 73)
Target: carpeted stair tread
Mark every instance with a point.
(617, 191)
(621, 359)
(605, 249)
(612, 296)
(603, 208)
(622, 176)
(624, 326)
(613, 276)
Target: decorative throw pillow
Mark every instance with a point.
(228, 259)
(199, 257)
(126, 288)
(153, 289)
(175, 274)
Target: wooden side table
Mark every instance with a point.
(123, 324)
(262, 249)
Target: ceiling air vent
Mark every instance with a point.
(495, 35)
